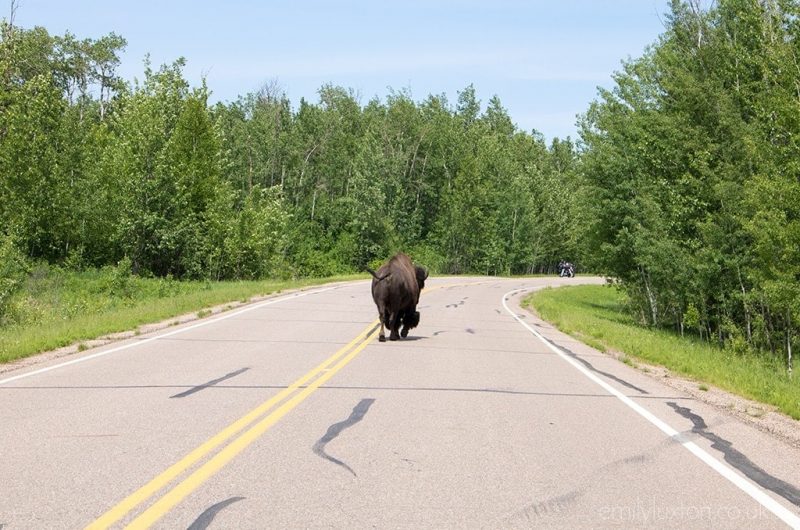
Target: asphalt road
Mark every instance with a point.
(290, 414)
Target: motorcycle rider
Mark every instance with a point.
(566, 269)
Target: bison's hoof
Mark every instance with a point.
(394, 337)
(404, 333)
(382, 338)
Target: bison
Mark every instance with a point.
(395, 289)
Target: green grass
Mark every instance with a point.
(596, 315)
(58, 308)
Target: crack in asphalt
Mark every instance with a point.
(324, 387)
(334, 430)
(591, 367)
(211, 383)
(466, 330)
(555, 504)
(205, 519)
(737, 459)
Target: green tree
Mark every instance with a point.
(693, 170)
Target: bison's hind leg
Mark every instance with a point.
(410, 321)
(383, 316)
(394, 326)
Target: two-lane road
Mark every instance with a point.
(290, 414)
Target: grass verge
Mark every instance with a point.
(59, 308)
(596, 315)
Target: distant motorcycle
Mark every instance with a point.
(566, 269)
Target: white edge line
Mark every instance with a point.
(227, 315)
(743, 484)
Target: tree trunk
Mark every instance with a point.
(746, 309)
(650, 297)
(249, 165)
(789, 341)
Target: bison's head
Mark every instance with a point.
(422, 275)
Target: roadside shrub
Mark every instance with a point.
(427, 256)
(13, 269)
(120, 282)
(255, 242)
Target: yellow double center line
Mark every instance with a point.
(288, 398)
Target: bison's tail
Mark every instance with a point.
(375, 275)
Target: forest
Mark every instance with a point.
(96, 170)
(683, 186)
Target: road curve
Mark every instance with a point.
(290, 414)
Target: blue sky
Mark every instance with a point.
(544, 59)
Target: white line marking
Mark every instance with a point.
(743, 484)
(169, 334)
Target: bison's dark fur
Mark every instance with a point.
(395, 289)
